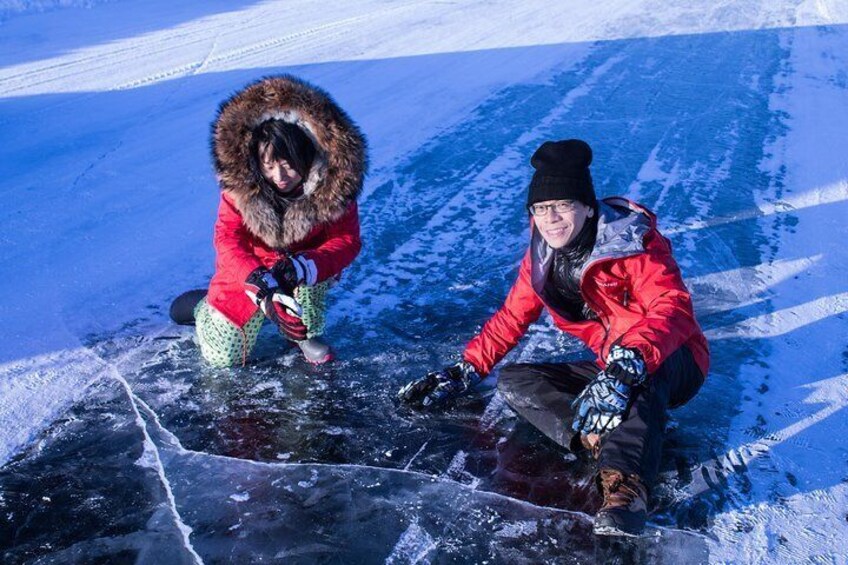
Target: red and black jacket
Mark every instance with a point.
(630, 280)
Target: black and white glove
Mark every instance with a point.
(284, 277)
(292, 271)
(278, 306)
(439, 387)
(259, 284)
(600, 407)
(627, 365)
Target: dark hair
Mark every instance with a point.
(287, 142)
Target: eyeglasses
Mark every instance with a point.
(561, 207)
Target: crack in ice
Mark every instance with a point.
(417, 453)
(150, 446)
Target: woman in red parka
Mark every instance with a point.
(290, 164)
(606, 275)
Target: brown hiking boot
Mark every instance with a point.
(625, 508)
(591, 443)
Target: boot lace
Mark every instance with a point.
(619, 490)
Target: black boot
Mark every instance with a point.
(625, 507)
(182, 308)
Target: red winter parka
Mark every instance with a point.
(630, 280)
(255, 226)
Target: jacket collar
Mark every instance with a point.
(334, 181)
(622, 226)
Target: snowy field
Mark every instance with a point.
(728, 118)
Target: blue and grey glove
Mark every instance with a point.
(440, 386)
(627, 365)
(600, 407)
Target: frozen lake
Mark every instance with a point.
(117, 443)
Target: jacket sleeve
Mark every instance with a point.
(593, 335)
(669, 320)
(339, 249)
(503, 330)
(232, 242)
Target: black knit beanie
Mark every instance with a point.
(562, 173)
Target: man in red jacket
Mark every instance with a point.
(606, 276)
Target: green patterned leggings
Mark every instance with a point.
(223, 344)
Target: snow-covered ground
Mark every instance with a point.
(726, 117)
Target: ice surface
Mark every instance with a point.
(244, 511)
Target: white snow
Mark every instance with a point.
(517, 529)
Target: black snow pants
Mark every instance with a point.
(542, 393)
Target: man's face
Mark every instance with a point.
(559, 221)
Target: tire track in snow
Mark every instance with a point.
(727, 183)
(157, 46)
(443, 205)
(792, 504)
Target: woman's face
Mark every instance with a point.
(278, 172)
(560, 227)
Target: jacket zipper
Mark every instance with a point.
(604, 343)
(604, 323)
(601, 315)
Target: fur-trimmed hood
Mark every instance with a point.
(334, 181)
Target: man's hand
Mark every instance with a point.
(601, 405)
(440, 386)
(627, 365)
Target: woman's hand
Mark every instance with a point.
(285, 313)
(292, 271)
(260, 284)
(278, 306)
